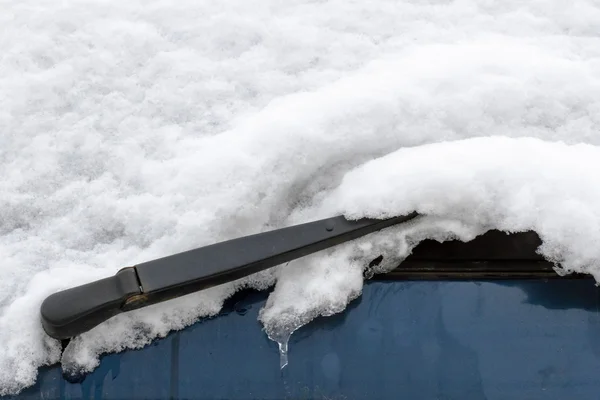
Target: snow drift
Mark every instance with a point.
(129, 131)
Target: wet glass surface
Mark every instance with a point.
(526, 339)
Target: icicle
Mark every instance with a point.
(283, 351)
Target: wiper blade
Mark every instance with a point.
(73, 311)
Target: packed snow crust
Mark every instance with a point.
(133, 130)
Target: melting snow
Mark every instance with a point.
(133, 130)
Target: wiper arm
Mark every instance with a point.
(73, 311)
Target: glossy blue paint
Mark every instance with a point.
(527, 339)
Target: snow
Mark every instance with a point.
(133, 130)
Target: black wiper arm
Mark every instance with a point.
(73, 311)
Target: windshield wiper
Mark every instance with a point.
(73, 311)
